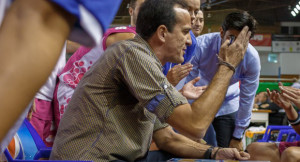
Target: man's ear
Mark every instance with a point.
(162, 33)
(221, 32)
(130, 11)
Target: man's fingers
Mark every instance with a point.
(225, 44)
(187, 65)
(268, 92)
(195, 80)
(242, 34)
(293, 90)
(237, 154)
(241, 155)
(203, 87)
(246, 42)
(181, 68)
(289, 93)
(289, 97)
(244, 155)
(247, 39)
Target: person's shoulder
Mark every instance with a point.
(252, 52)
(113, 35)
(208, 38)
(120, 29)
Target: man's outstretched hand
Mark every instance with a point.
(190, 91)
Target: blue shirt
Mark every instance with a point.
(93, 18)
(189, 53)
(205, 65)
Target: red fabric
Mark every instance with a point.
(284, 145)
(121, 29)
(42, 121)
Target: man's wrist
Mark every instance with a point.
(208, 153)
(215, 152)
(237, 139)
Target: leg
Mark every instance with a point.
(224, 127)
(291, 154)
(263, 151)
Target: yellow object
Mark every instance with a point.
(250, 134)
(253, 136)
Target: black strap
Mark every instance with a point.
(207, 154)
(294, 122)
(215, 155)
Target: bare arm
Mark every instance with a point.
(193, 120)
(114, 38)
(31, 38)
(72, 46)
(166, 139)
(289, 95)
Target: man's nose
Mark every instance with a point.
(197, 22)
(192, 14)
(189, 40)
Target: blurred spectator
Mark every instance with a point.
(198, 25)
(296, 84)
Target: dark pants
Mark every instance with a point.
(210, 136)
(224, 127)
(157, 156)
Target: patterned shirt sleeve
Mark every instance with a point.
(159, 125)
(143, 75)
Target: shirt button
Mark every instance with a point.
(165, 86)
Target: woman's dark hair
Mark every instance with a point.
(237, 21)
(154, 13)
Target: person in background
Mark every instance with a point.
(72, 47)
(31, 44)
(198, 25)
(262, 100)
(235, 113)
(281, 151)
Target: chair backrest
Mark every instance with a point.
(289, 133)
(270, 129)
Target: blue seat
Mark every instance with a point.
(32, 146)
(289, 133)
(270, 129)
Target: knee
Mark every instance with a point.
(253, 147)
(262, 151)
(290, 154)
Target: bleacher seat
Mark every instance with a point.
(27, 146)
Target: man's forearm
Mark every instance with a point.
(31, 38)
(292, 114)
(179, 145)
(208, 104)
(193, 121)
